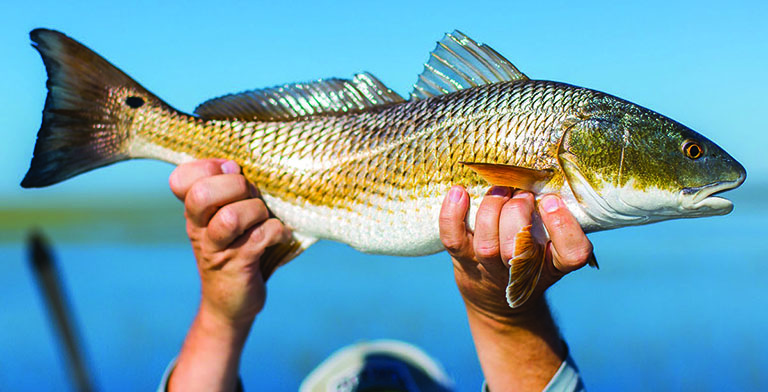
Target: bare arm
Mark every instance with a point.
(518, 349)
(229, 228)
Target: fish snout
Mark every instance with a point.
(741, 174)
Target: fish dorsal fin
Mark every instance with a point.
(511, 176)
(458, 62)
(290, 101)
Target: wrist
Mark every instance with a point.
(532, 324)
(534, 314)
(210, 357)
(218, 325)
(519, 351)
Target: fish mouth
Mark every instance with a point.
(702, 199)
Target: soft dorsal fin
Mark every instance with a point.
(287, 102)
(457, 63)
(511, 176)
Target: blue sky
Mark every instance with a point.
(703, 64)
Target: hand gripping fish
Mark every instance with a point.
(354, 162)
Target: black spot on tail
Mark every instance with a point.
(134, 102)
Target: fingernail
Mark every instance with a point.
(230, 167)
(499, 191)
(522, 195)
(454, 195)
(550, 203)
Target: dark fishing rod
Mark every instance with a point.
(47, 277)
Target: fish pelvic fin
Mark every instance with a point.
(524, 268)
(280, 254)
(89, 111)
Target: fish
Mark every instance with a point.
(350, 160)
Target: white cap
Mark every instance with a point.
(379, 365)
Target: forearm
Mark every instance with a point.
(210, 357)
(520, 353)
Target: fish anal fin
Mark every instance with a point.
(524, 268)
(510, 175)
(280, 254)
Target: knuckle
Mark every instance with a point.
(287, 234)
(259, 207)
(518, 207)
(228, 221)
(577, 255)
(448, 216)
(446, 222)
(268, 233)
(558, 223)
(258, 234)
(241, 185)
(217, 260)
(198, 197)
(174, 182)
(193, 232)
(487, 249)
(485, 220)
(507, 247)
(489, 206)
(273, 229)
(452, 245)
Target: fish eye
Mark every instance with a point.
(692, 150)
(134, 102)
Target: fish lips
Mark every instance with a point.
(703, 201)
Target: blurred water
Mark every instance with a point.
(676, 306)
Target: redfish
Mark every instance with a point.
(350, 160)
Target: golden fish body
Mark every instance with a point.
(351, 161)
(376, 179)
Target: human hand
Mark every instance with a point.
(519, 349)
(229, 228)
(480, 258)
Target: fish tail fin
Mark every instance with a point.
(525, 267)
(89, 111)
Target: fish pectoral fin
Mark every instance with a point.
(524, 268)
(510, 175)
(279, 254)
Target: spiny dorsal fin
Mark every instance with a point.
(457, 63)
(511, 176)
(327, 96)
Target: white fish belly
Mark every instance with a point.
(399, 228)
